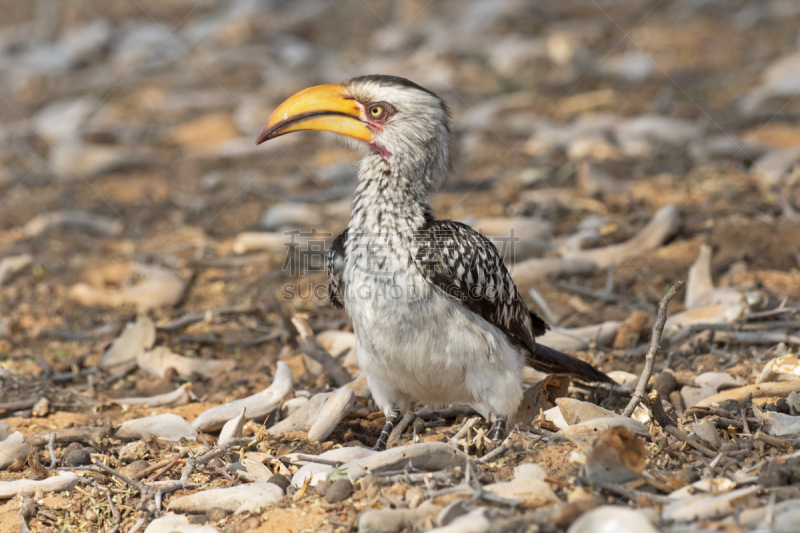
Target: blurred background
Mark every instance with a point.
(127, 151)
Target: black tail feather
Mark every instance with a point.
(553, 361)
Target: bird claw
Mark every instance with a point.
(391, 420)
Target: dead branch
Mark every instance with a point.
(683, 437)
(774, 441)
(236, 342)
(633, 495)
(182, 483)
(89, 435)
(663, 419)
(600, 294)
(463, 431)
(655, 344)
(497, 452)
(223, 448)
(144, 490)
(207, 316)
(152, 468)
(172, 462)
(318, 460)
(653, 401)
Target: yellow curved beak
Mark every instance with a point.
(323, 108)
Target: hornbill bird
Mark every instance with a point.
(435, 313)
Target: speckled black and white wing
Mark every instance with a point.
(469, 268)
(336, 261)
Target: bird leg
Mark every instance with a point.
(498, 431)
(391, 420)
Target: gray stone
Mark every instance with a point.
(280, 480)
(613, 518)
(167, 426)
(340, 490)
(396, 520)
(75, 455)
(239, 499)
(64, 481)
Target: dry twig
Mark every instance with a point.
(497, 452)
(318, 460)
(655, 344)
(87, 434)
(208, 316)
(400, 427)
(463, 431)
(170, 463)
(144, 490)
(182, 483)
(662, 419)
(774, 441)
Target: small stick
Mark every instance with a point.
(302, 492)
(175, 460)
(182, 483)
(153, 468)
(633, 495)
(540, 432)
(144, 490)
(770, 312)
(24, 511)
(657, 483)
(64, 436)
(51, 448)
(114, 510)
(606, 296)
(318, 460)
(463, 431)
(138, 525)
(655, 344)
(208, 316)
(653, 401)
(774, 441)
(683, 437)
(500, 450)
(745, 427)
(218, 470)
(236, 342)
(661, 417)
(223, 448)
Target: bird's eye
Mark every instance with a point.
(377, 112)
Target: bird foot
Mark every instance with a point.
(391, 420)
(498, 431)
